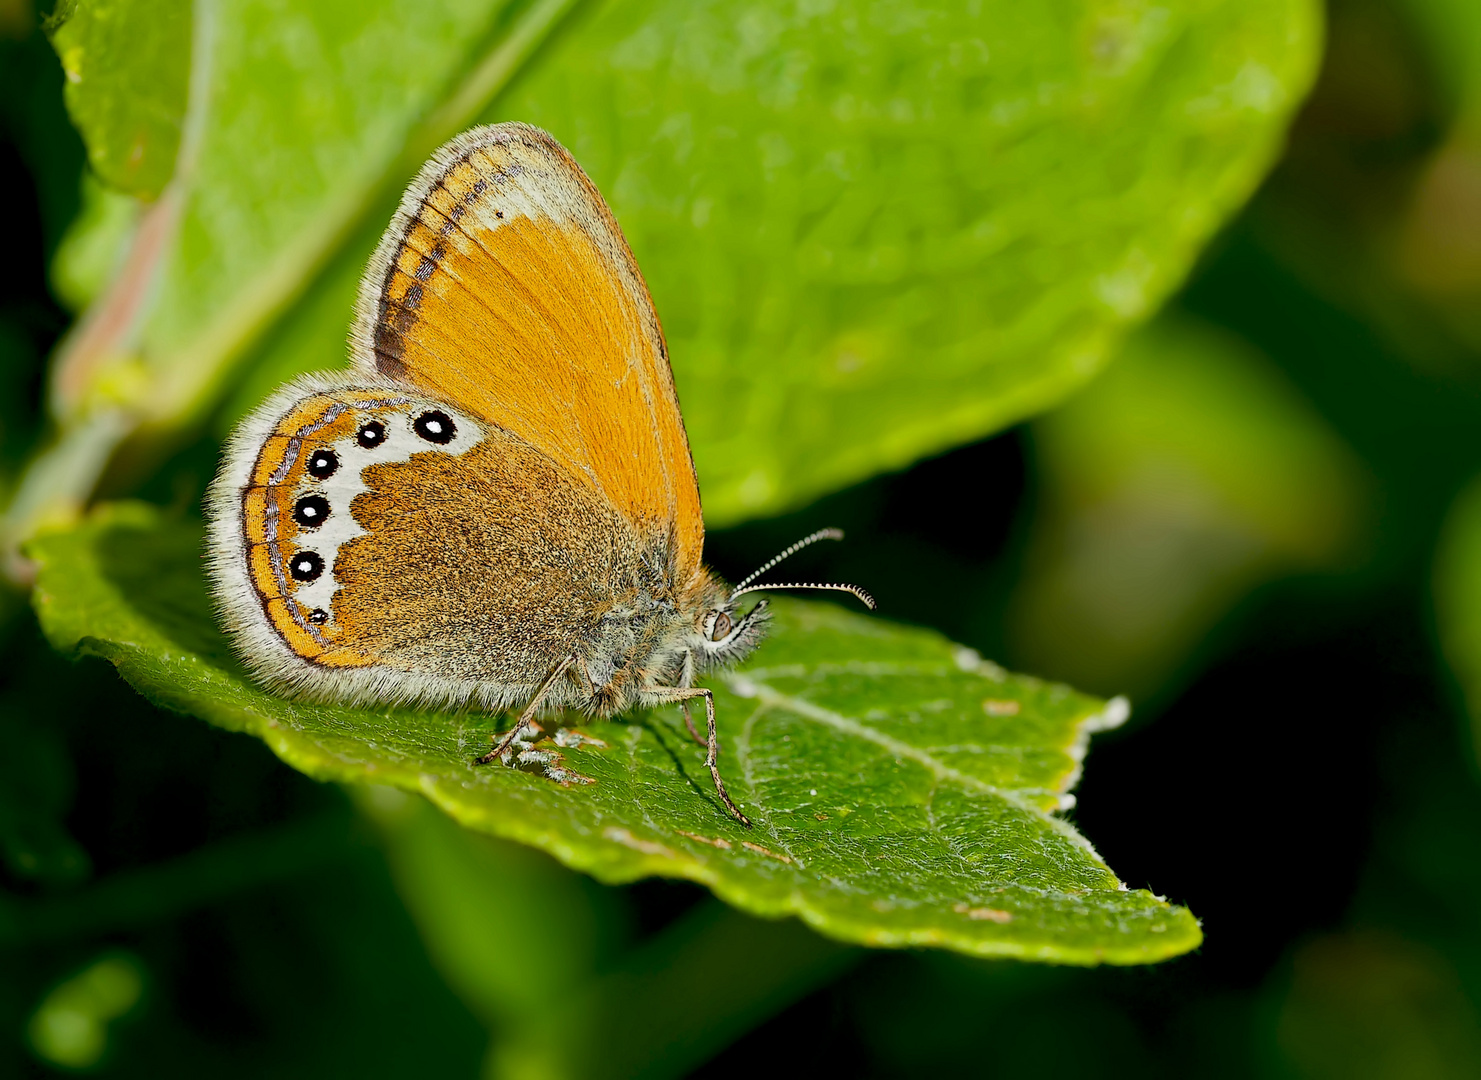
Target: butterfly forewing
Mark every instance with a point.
(505, 284)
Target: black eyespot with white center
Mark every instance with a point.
(371, 434)
(311, 511)
(323, 464)
(306, 566)
(318, 616)
(435, 426)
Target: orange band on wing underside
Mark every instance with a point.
(298, 638)
(264, 578)
(269, 532)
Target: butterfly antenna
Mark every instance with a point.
(854, 589)
(822, 534)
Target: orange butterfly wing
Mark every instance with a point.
(504, 285)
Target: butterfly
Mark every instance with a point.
(495, 504)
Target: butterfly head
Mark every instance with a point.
(724, 636)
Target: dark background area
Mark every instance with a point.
(1308, 790)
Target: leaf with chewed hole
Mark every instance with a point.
(905, 792)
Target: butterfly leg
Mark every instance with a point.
(689, 723)
(685, 678)
(712, 745)
(529, 712)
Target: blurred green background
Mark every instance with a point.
(1262, 520)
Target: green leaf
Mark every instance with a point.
(128, 77)
(904, 791)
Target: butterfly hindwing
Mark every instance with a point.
(371, 542)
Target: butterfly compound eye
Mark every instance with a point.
(371, 434)
(721, 630)
(435, 426)
(323, 464)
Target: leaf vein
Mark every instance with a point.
(941, 771)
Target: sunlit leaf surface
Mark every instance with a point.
(904, 791)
